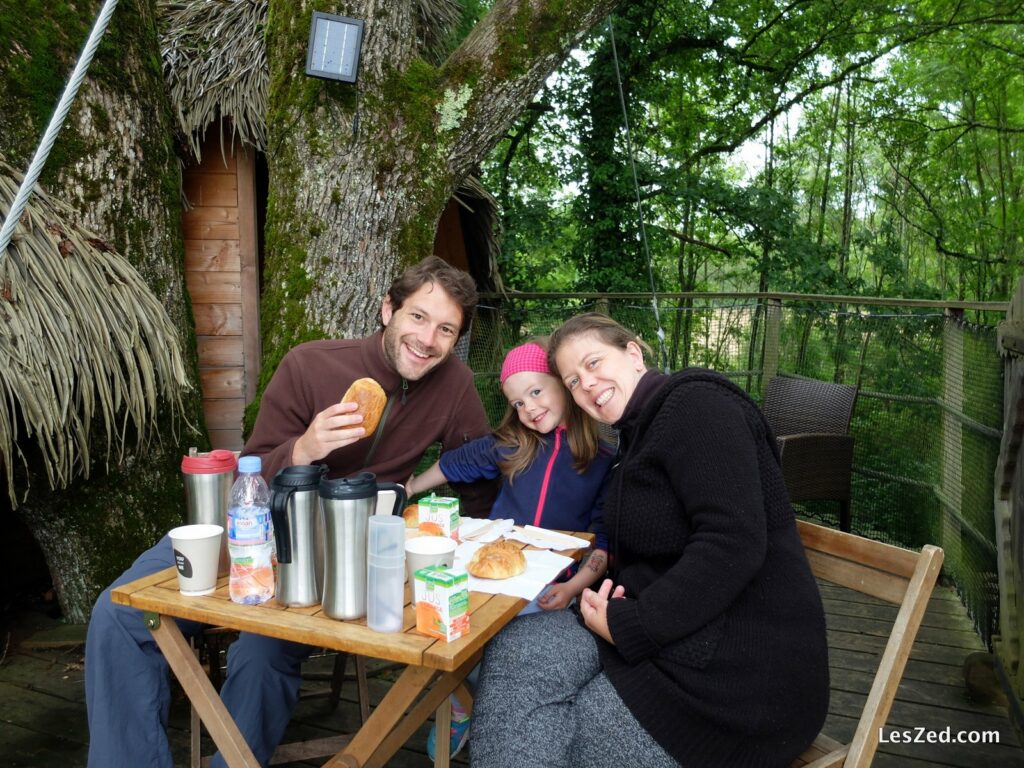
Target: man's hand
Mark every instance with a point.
(594, 608)
(334, 427)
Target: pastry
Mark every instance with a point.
(412, 516)
(499, 560)
(368, 395)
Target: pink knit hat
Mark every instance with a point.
(530, 357)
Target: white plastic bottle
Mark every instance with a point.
(250, 536)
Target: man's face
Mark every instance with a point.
(420, 334)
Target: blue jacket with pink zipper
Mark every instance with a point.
(550, 493)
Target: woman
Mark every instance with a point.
(706, 647)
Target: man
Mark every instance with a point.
(431, 399)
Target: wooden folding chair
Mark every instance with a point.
(889, 573)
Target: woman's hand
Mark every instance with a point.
(558, 596)
(594, 608)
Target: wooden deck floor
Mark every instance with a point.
(42, 710)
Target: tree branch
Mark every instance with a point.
(692, 240)
(504, 61)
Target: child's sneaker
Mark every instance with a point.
(459, 737)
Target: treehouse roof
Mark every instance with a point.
(84, 338)
(215, 65)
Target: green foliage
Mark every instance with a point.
(895, 135)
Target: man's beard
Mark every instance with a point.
(393, 353)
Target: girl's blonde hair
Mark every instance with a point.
(525, 443)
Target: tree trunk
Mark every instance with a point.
(360, 173)
(114, 164)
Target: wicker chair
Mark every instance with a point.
(811, 421)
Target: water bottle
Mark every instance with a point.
(250, 536)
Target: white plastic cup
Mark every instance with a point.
(196, 557)
(385, 593)
(385, 561)
(428, 550)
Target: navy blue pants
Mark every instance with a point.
(127, 687)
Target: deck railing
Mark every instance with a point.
(928, 420)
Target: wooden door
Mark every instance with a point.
(222, 274)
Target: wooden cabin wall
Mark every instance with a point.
(222, 275)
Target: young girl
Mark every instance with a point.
(552, 467)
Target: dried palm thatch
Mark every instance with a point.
(215, 64)
(81, 336)
(215, 61)
(482, 232)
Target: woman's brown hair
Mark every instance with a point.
(602, 326)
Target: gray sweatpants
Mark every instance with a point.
(543, 701)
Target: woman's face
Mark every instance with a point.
(600, 377)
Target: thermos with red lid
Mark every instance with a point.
(208, 478)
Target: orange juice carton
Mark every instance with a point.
(442, 602)
(439, 516)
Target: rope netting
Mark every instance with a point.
(927, 422)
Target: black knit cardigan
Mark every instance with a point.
(720, 649)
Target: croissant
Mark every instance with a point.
(499, 560)
(370, 397)
(412, 516)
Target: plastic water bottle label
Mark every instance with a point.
(249, 527)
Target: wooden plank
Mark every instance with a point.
(43, 714)
(214, 287)
(920, 755)
(968, 640)
(218, 319)
(248, 245)
(943, 601)
(288, 625)
(881, 611)
(212, 255)
(948, 697)
(210, 224)
(214, 161)
(906, 714)
(219, 351)
(211, 189)
(873, 554)
(224, 414)
(54, 673)
(24, 745)
(856, 576)
(856, 641)
(218, 383)
(230, 439)
(927, 672)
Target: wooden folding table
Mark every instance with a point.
(434, 668)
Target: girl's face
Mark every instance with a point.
(537, 398)
(600, 377)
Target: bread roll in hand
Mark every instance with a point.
(370, 397)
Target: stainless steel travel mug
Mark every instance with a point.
(208, 478)
(299, 534)
(348, 504)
